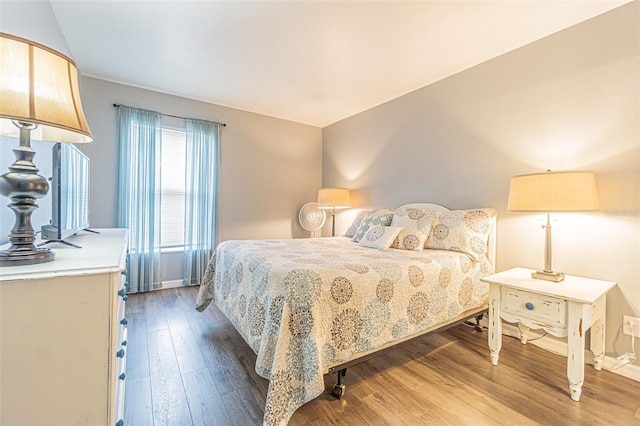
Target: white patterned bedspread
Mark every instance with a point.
(307, 304)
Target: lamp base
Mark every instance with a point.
(25, 255)
(23, 185)
(556, 277)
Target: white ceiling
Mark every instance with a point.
(313, 62)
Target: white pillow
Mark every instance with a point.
(380, 237)
(466, 231)
(417, 225)
(379, 217)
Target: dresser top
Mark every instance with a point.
(99, 253)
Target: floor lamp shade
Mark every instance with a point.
(337, 198)
(552, 192)
(39, 99)
(334, 198)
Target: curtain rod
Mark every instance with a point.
(177, 116)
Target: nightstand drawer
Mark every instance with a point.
(547, 310)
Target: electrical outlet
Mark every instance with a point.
(631, 326)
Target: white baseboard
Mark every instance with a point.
(559, 347)
(171, 284)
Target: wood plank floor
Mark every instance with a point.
(190, 368)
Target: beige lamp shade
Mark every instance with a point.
(553, 192)
(39, 85)
(334, 198)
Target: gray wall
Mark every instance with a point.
(567, 102)
(269, 167)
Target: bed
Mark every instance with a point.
(308, 307)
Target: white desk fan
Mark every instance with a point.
(312, 218)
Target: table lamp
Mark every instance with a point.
(552, 192)
(39, 99)
(332, 199)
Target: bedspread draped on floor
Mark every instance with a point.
(304, 305)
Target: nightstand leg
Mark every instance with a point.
(575, 350)
(597, 333)
(495, 323)
(524, 333)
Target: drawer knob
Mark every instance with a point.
(121, 292)
(122, 376)
(125, 297)
(124, 321)
(120, 422)
(529, 306)
(120, 353)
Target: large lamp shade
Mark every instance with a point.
(40, 86)
(553, 192)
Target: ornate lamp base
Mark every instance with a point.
(25, 255)
(23, 185)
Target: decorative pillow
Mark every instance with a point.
(466, 231)
(380, 237)
(379, 217)
(416, 224)
(356, 223)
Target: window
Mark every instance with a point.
(172, 188)
(161, 208)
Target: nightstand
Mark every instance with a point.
(565, 309)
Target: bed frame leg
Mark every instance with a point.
(339, 388)
(478, 327)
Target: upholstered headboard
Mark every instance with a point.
(491, 241)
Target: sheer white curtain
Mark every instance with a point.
(138, 198)
(201, 197)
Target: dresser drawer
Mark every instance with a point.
(120, 385)
(122, 338)
(541, 309)
(122, 349)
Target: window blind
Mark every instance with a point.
(172, 184)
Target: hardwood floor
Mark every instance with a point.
(191, 368)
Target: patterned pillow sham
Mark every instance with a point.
(380, 237)
(466, 231)
(379, 217)
(417, 225)
(351, 231)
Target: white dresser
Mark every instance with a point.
(63, 335)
